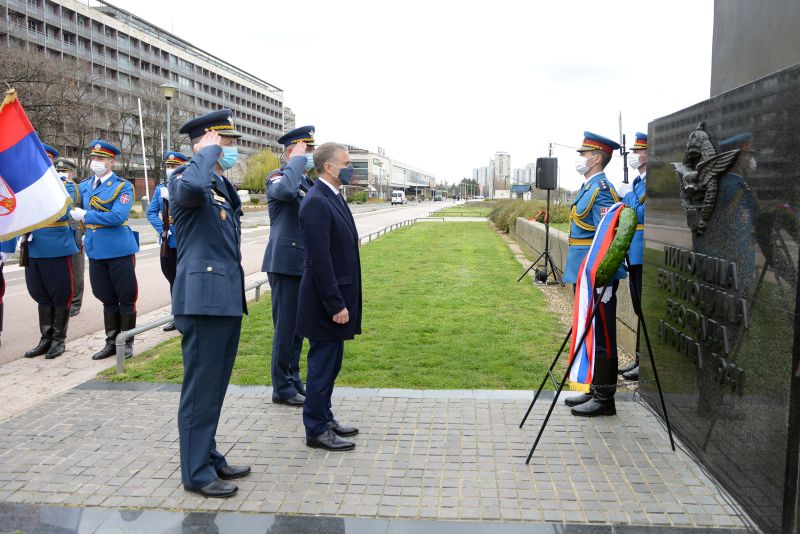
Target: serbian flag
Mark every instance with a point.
(583, 368)
(31, 193)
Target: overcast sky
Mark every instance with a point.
(443, 85)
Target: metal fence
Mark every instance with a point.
(122, 337)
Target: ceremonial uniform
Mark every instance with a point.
(283, 263)
(6, 249)
(636, 199)
(65, 168)
(208, 301)
(591, 203)
(155, 216)
(111, 246)
(48, 277)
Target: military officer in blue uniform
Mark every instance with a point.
(48, 277)
(7, 248)
(592, 202)
(283, 261)
(67, 170)
(155, 216)
(329, 305)
(636, 199)
(110, 244)
(208, 297)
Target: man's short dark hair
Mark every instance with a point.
(325, 153)
(605, 157)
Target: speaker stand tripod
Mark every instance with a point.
(542, 276)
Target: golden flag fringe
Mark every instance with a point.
(10, 96)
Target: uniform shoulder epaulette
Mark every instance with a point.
(275, 175)
(603, 185)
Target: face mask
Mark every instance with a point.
(98, 168)
(230, 156)
(752, 166)
(582, 165)
(62, 176)
(346, 174)
(309, 162)
(635, 161)
(169, 172)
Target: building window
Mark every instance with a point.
(34, 25)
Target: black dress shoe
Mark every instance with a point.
(633, 374)
(577, 400)
(297, 400)
(217, 488)
(330, 442)
(229, 472)
(628, 368)
(594, 408)
(169, 327)
(342, 430)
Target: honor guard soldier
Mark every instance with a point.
(67, 170)
(48, 276)
(208, 297)
(110, 244)
(7, 248)
(283, 261)
(636, 199)
(156, 212)
(592, 202)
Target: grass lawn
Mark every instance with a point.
(442, 311)
(463, 211)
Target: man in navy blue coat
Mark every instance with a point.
(329, 307)
(207, 297)
(283, 261)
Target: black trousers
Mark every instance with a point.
(169, 266)
(286, 345)
(78, 266)
(114, 283)
(324, 364)
(49, 281)
(209, 344)
(604, 376)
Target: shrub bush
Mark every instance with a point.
(254, 200)
(505, 213)
(359, 197)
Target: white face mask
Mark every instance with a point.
(169, 172)
(98, 168)
(582, 165)
(752, 166)
(635, 161)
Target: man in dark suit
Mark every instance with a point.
(207, 297)
(283, 261)
(329, 307)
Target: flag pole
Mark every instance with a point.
(144, 154)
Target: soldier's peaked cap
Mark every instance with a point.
(219, 121)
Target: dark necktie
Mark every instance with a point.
(97, 182)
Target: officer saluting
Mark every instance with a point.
(283, 261)
(48, 277)
(208, 297)
(110, 244)
(155, 216)
(66, 170)
(592, 202)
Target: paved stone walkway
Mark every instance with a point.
(420, 455)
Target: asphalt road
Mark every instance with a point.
(21, 330)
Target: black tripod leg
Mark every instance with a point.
(548, 374)
(637, 306)
(533, 264)
(596, 300)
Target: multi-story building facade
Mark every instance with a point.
(502, 169)
(129, 58)
(526, 175)
(289, 122)
(380, 174)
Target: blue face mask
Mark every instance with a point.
(230, 155)
(346, 174)
(309, 162)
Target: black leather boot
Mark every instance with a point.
(630, 367)
(604, 387)
(128, 323)
(578, 399)
(60, 322)
(112, 325)
(46, 329)
(633, 374)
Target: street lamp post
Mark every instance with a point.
(168, 90)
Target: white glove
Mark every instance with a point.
(4, 257)
(77, 214)
(606, 295)
(164, 193)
